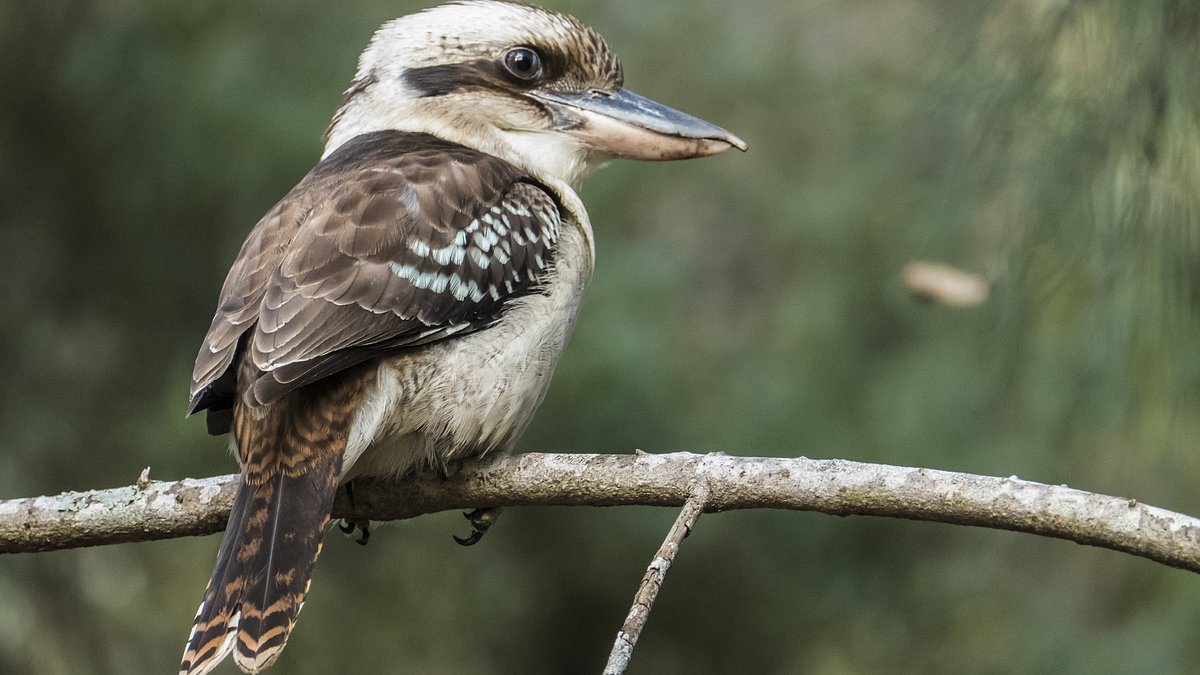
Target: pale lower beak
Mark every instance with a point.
(624, 124)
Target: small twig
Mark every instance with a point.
(652, 581)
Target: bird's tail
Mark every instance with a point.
(265, 562)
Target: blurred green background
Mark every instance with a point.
(746, 303)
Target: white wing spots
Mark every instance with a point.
(501, 234)
(481, 241)
(454, 254)
(451, 254)
(516, 208)
(549, 222)
(461, 290)
(404, 271)
(480, 258)
(437, 282)
(490, 235)
(419, 247)
(551, 231)
(490, 239)
(457, 288)
(434, 281)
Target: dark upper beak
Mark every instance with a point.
(624, 124)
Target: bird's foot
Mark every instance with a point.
(349, 526)
(481, 521)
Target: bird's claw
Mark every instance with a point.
(349, 527)
(481, 521)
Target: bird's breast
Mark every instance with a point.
(473, 394)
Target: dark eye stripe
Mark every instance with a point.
(482, 73)
(444, 79)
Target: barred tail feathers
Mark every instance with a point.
(263, 569)
(215, 626)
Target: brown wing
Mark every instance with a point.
(393, 241)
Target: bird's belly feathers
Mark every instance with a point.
(466, 396)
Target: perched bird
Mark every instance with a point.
(405, 304)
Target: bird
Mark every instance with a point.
(403, 307)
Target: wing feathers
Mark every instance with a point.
(386, 241)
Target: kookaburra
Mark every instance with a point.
(404, 306)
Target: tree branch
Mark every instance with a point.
(163, 510)
(652, 581)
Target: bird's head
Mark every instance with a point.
(534, 87)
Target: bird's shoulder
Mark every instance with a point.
(392, 241)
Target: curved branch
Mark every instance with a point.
(160, 510)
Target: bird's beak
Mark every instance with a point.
(624, 124)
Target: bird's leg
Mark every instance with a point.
(349, 526)
(481, 520)
(441, 468)
(446, 468)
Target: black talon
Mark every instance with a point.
(471, 540)
(348, 528)
(481, 521)
(349, 525)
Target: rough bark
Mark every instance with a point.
(160, 510)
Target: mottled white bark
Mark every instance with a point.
(159, 510)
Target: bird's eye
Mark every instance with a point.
(523, 63)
